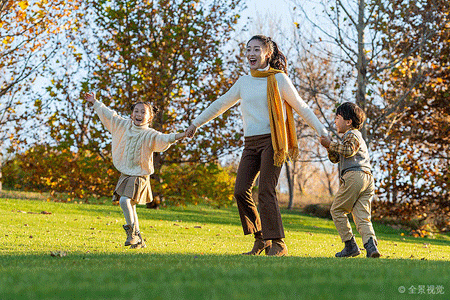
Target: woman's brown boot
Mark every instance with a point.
(259, 245)
(278, 248)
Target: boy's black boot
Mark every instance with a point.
(371, 248)
(351, 249)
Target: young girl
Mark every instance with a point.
(133, 144)
(267, 97)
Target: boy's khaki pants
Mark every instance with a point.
(355, 194)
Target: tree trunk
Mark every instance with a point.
(300, 185)
(361, 64)
(330, 187)
(290, 185)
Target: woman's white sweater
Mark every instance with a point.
(252, 93)
(132, 146)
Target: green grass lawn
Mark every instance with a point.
(193, 253)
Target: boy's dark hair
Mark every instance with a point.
(153, 110)
(351, 111)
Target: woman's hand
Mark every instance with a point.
(325, 141)
(190, 131)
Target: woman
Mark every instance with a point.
(267, 97)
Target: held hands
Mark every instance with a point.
(325, 141)
(89, 97)
(190, 131)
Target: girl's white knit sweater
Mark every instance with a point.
(252, 93)
(132, 146)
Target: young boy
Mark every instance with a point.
(133, 144)
(356, 188)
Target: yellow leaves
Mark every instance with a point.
(23, 4)
(8, 40)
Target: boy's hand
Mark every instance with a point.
(190, 131)
(89, 97)
(325, 141)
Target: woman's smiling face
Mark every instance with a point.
(256, 55)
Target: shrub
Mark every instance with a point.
(196, 183)
(47, 169)
(85, 174)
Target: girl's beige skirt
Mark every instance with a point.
(137, 188)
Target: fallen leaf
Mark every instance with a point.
(58, 253)
(197, 226)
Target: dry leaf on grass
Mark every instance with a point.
(58, 253)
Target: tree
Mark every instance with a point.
(365, 40)
(25, 30)
(351, 37)
(165, 52)
(341, 39)
(314, 77)
(169, 53)
(414, 142)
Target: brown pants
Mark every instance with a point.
(258, 158)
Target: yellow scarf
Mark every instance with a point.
(284, 138)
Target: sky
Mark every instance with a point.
(277, 10)
(277, 7)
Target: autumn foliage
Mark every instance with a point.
(196, 183)
(413, 142)
(86, 174)
(44, 168)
